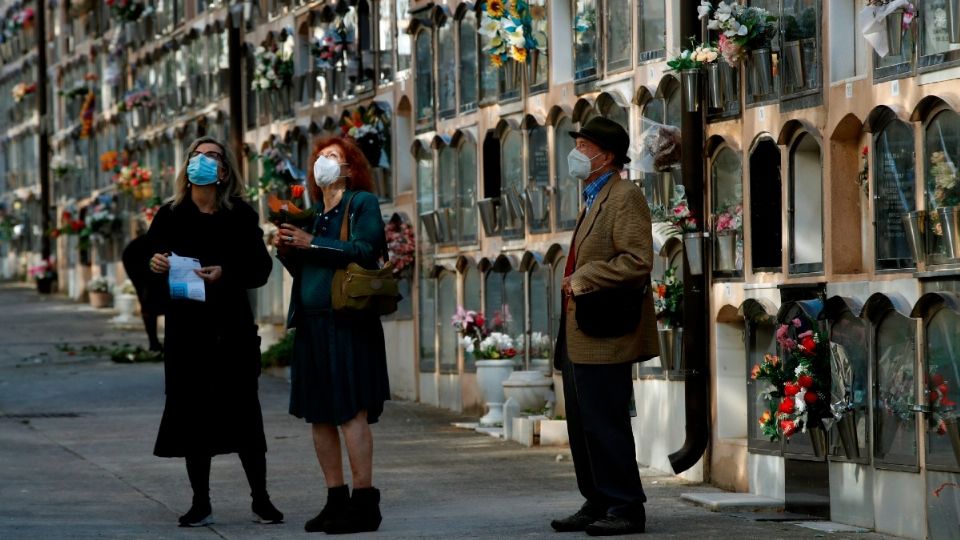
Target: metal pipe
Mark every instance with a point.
(696, 346)
(44, 131)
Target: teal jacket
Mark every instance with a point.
(365, 245)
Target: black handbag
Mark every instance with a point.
(610, 312)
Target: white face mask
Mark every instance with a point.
(578, 165)
(325, 171)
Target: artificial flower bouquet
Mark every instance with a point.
(45, 269)
(694, 58)
(943, 409)
(22, 90)
(729, 219)
(668, 299)
(132, 178)
(508, 27)
(944, 182)
(742, 28)
(136, 98)
(401, 245)
(679, 217)
(287, 211)
(541, 344)
(798, 395)
(486, 343)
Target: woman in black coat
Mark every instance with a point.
(339, 368)
(211, 348)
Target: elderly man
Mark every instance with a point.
(608, 323)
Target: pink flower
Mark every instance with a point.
(797, 322)
(724, 222)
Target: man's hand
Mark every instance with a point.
(567, 288)
(209, 274)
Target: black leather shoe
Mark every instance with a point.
(575, 523)
(337, 500)
(265, 512)
(199, 515)
(615, 526)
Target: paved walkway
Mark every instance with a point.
(77, 433)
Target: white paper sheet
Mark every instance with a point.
(185, 284)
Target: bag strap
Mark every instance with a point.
(345, 224)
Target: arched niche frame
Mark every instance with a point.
(893, 351)
(759, 327)
(766, 216)
(846, 161)
(939, 313)
(805, 201)
(850, 374)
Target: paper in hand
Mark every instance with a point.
(185, 284)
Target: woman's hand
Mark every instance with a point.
(209, 274)
(159, 263)
(291, 236)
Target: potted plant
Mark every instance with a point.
(494, 352)
(744, 30)
(126, 304)
(44, 274)
(99, 291)
(668, 304)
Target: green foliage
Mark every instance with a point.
(280, 353)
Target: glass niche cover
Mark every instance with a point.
(895, 420)
(941, 381)
(849, 384)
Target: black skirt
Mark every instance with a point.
(339, 368)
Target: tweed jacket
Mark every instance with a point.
(614, 248)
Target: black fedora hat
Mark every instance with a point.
(607, 134)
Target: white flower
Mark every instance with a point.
(704, 9)
(800, 404)
(515, 36)
(270, 75)
(489, 27)
(259, 51)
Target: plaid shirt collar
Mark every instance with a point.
(591, 191)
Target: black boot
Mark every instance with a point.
(337, 500)
(362, 515)
(199, 515)
(265, 511)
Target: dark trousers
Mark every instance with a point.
(597, 398)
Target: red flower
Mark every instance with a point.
(805, 381)
(937, 379)
(296, 191)
(791, 389)
(943, 388)
(786, 406)
(788, 427)
(947, 402)
(934, 395)
(810, 397)
(864, 151)
(809, 345)
(77, 225)
(510, 353)
(478, 320)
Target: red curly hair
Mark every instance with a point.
(360, 178)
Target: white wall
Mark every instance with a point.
(731, 422)
(766, 476)
(401, 364)
(898, 500)
(851, 491)
(658, 426)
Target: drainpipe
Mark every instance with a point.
(44, 131)
(696, 346)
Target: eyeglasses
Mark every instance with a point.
(212, 155)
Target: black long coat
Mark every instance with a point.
(211, 348)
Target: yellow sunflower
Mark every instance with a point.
(519, 54)
(495, 8)
(495, 60)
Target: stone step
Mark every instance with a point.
(734, 502)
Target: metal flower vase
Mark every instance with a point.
(953, 432)
(915, 227)
(727, 250)
(818, 438)
(793, 54)
(490, 215)
(693, 243)
(663, 188)
(847, 428)
(690, 80)
(953, 20)
(714, 86)
(761, 66)
(431, 226)
(729, 78)
(894, 22)
(669, 339)
(950, 224)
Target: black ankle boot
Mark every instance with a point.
(362, 515)
(337, 500)
(199, 515)
(265, 511)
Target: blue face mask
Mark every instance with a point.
(202, 170)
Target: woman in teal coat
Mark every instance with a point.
(339, 368)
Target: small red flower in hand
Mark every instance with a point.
(805, 381)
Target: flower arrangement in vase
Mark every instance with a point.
(729, 219)
(508, 26)
(483, 342)
(800, 383)
(22, 90)
(668, 299)
(401, 245)
(135, 99)
(69, 225)
(273, 67)
(126, 10)
(135, 180)
(944, 182)
(44, 270)
(678, 219)
(370, 128)
(693, 58)
(938, 396)
(742, 28)
(149, 210)
(328, 50)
